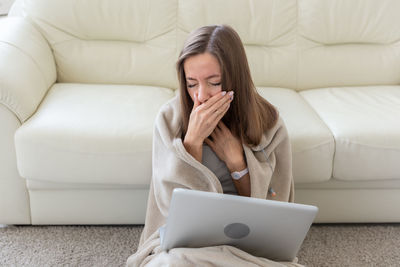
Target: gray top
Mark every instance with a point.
(218, 167)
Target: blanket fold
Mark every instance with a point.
(269, 165)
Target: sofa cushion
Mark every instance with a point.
(85, 133)
(347, 43)
(109, 42)
(312, 142)
(366, 124)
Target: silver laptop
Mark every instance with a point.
(266, 228)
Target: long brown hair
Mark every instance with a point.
(250, 115)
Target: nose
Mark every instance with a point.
(203, 93)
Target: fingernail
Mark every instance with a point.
(231, 93)
(223, 93)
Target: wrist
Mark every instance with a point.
(239, 175)
(194, 149)
(237, 166)
(188, 141)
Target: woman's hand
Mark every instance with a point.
(205, 117)
(227, 147)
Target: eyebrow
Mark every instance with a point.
(209, 77)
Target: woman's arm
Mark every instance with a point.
(195, 150)
(203, 120)
(243, 185)
(230, 150)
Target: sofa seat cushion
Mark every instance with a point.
(312, 142)
(86, 133)
(366, 124)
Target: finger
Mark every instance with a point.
(217, 116)
(222, 128)
(213, 135)
(225, 109)
(216, 100)
(218, 106)
(218, 135)
(218, 129)
(209, 142)
(196, 101)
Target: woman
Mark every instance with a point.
(217, 135)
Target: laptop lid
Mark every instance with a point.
(264, 228)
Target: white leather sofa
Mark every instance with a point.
(81, 83)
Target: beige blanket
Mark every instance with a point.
(269, 166)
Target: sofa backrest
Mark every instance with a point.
(297, 44)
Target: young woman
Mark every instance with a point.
(217, 135)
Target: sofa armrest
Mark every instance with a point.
(27, 67)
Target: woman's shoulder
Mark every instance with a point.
(171, 105)
(279, 125)
(169, 109)
(273, 136)
(169, 116)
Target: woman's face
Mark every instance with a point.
(203, 76)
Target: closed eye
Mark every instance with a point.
(193, 85)
(216, 84)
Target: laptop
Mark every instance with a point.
(265, 228)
